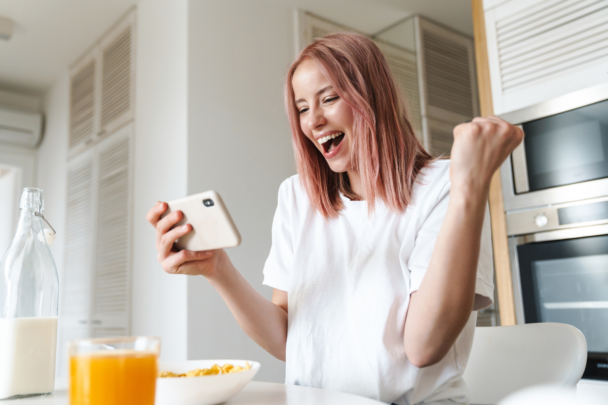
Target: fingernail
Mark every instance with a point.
(185, 227)
(207, 252)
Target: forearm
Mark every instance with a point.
(440, 308)
(262, 320)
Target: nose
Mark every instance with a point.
(316, 118)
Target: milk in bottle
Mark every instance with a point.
(29, 291)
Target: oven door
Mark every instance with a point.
(564, 154)
(563, 277)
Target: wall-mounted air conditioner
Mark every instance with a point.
(20, 128)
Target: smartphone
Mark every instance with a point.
(212, 226)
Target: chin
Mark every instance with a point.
(338, 167)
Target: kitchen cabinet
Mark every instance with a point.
(102, 87)
(541, 49)
(95, 282)
(95, 285)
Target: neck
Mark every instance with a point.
(355, 183)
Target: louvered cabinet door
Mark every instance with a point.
(111, 303)
(447, 73)
(403, 65)
(77, 276)
(541, 49)
(441, 137)
(83, 102)
(117, 66)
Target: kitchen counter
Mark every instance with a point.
(255, 393)
(262, 393)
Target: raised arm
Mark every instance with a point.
(441, 307)
(264, 321)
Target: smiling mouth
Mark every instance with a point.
(330, 142)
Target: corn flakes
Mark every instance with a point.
(214, 370)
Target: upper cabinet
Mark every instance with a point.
(102, 87)
(541, 49)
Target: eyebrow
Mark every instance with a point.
(323, 90)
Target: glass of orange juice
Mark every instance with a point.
(113, 371)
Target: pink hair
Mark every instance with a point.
(385, 151)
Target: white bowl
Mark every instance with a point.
(203, 390)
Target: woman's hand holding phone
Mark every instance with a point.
(264, 321)
(205, 263)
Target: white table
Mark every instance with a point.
(255, 393)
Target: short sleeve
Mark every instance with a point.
(425, 243)
(279, 262)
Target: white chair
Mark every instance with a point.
(506, 359)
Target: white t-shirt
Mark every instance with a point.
(349, 281)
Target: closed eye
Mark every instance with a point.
(302, 111)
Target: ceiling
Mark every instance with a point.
(50, 35)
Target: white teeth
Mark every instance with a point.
(328, 137)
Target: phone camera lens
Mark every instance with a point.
(208, 202)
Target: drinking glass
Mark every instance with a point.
(113, 371)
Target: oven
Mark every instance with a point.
(562, 276)
(555, 188)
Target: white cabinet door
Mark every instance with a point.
(84, 101)
(117, 72)
(404, 66)
(96, 284)
(541, 49)
(111, 284)
(102, 87)
(75, 287)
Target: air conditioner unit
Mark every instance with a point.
(20, 128)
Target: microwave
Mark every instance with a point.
(564, 155)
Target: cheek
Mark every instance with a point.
(343, 115)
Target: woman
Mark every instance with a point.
(380, 254)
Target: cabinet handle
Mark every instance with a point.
(96, 322)
(83, 321)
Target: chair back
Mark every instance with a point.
(506, 359)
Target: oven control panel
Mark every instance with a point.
(590, 212)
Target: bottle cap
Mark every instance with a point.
(31, 198)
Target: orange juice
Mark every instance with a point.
(119, 377)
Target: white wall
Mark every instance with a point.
(23, 159)
(9, 206)
(52, 166)
(159, 299)
(239, 145)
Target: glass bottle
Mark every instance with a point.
(29, 292)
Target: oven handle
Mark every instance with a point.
(561, 234)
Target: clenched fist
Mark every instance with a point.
(480, 147)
